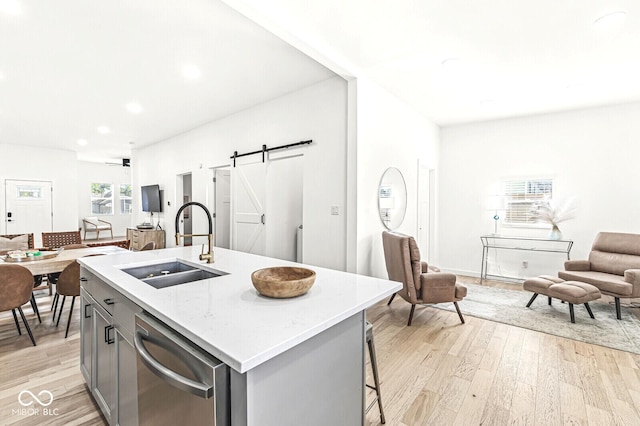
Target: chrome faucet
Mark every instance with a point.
(209, 256)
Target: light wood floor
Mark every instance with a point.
(52, 365)
(436, 372)
(442, 372)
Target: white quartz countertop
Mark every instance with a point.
(226, 316)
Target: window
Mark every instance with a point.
(101, 198)
(29, 192)
(520, 197)
(125, 198)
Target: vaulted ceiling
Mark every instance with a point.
(71, 70)
(118, 74)
(459, 61)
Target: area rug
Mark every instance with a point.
(509, 307)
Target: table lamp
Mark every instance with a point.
(496, 203)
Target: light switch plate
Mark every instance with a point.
(335, 210)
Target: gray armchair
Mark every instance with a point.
(420, 283)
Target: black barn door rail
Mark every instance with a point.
(265, 150)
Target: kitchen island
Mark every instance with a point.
(291, 361)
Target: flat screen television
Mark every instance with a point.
(151, 198)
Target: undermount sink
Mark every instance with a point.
(167, 274)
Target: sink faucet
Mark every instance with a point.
(209, 256)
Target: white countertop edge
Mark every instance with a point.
(286, 345)
(253, 362)
(259, 358)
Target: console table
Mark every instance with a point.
(520, 243)
(140, 237)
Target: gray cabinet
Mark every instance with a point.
(86, 331)
(126, 379)
(107, 355)
(103, 364)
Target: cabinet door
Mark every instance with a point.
(86, 332)
(127, 380)
(104, 361)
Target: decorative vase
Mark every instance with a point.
(555, 233)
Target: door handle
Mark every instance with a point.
(85, 311)
(107, 338)
(203, 390)
(262, 219)
(109, 301)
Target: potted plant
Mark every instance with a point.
(553, 213)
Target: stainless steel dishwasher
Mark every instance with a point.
(178, 383)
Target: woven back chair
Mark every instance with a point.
(54, 240)
(12, 236)
(121, 243)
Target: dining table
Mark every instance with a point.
(50, 262)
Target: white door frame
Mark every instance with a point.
(215, 207)
(425, 210)
(6, 204)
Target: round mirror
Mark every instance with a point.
(392, 198)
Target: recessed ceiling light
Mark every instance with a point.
(190, 72)
(103, 130)
(450, 62)
(610, 20)
(82, 142)
(134, 107)
(10, 7)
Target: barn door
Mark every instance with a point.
(248, 189)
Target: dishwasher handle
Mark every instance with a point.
(202, 390)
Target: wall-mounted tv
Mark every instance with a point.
(151, 198)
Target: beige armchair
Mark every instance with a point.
(93, 224)
(613, 266)
(420, 284)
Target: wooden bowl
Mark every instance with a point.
(283, 281)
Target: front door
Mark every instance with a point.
(29, 208)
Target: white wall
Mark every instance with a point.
(57, 166)
(591, 154)
(317, 112)
(89, 173)
(390, 134)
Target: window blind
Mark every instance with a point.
(521, 195)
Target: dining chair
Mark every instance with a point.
(25, 242)
(54, 240)
(125, 244)
(16, 242)
(69, 285)
(151, 245)
(54, 277)
(16, 287)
